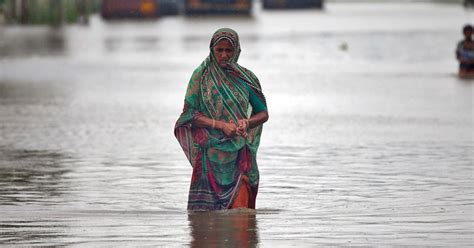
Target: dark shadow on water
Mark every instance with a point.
(31, 232)
(31, 176)
(232, 228)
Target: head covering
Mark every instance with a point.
(231, 36)
(219, 92)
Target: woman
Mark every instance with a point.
(220, 127)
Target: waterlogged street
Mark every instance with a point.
(369, 142)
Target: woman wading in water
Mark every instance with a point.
(220, 127)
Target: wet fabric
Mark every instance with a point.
(220, 163)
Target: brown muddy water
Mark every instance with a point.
(369, 142)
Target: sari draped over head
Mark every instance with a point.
(221, 164)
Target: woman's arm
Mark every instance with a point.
(229, 128)
(257, 119)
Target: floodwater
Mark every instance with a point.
(369, 142)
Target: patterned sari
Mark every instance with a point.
(221, 165)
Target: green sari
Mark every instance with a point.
(220, 163)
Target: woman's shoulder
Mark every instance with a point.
(251, 78)
(249, 73)
(201, 67)
(200, 70)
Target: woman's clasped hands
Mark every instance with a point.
(232, 129)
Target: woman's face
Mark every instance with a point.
(223, 51)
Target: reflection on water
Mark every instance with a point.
(370, 145)
(141, 43)
(233, 228)
(39, 41)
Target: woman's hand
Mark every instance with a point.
(242, 126)
(229, 129)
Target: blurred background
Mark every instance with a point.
(369, 142)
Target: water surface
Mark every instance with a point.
(369, 145)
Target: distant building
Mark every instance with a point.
(212, 7)
(292, 4)
(112, 9)
(129, 8)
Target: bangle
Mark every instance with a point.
(247, 122)
(213, 123)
